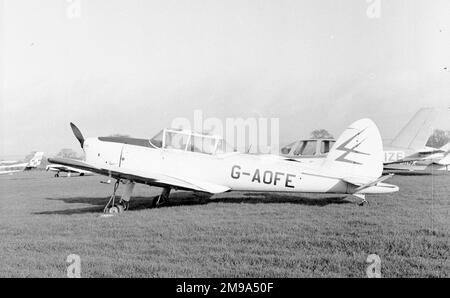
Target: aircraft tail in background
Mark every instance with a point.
(35, 161)
(417, 132)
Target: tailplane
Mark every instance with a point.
(358, 152)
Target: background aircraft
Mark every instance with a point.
(10, 167)
(407, 151)
(65, 169)
(176, 159)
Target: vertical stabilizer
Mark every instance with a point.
(417, 132)
(36, 160)
(358, 152)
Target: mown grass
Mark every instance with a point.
(44, 219)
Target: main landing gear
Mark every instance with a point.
(162, 198)
(111, 207)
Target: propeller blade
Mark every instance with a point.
(77, 134)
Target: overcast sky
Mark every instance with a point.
(132, 66)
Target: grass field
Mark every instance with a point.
(44, 219)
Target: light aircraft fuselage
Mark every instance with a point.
(176, 159)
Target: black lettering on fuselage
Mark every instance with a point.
(268, 176)
(288, 180)
(277, 178)
(256, 176)
(235, 173)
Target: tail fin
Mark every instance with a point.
(36, 160)
(358, 152)
(418, 130)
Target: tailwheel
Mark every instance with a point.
(362, 203)
(363, 199)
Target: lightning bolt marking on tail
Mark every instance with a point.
(347, 151)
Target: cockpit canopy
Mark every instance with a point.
(190, 141)
(312, 147)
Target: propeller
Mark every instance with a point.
(77, 134)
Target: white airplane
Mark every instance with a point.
(65, 169)
(184, 160)
(439, 161)
(10, 167)
(409, 145)
(408, 150)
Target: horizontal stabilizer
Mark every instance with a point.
(373, 183)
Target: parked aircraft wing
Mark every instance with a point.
(145, 177)
(431, 151)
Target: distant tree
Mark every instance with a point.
(439, 138)
(118, 135)
(68, 153)
(321, 134)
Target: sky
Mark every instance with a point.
(133, 66)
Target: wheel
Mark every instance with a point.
(115, 209)
(120, 208)
(124, 205)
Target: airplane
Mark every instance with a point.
(439, 161)
(205, 164)
(404, 152)
(10, 167)
(65, 169)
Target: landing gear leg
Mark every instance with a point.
(110, 206)
(363, 199)
(57, 175)
(162, 198)
(126, 196)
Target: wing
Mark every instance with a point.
(143, 176)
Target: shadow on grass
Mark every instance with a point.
(187, 198)
(407, 173)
